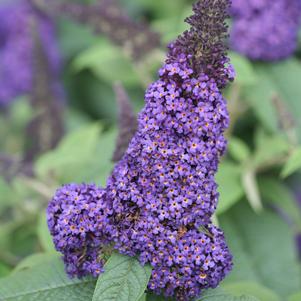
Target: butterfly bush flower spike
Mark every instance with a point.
(163, 191)
(160, 199)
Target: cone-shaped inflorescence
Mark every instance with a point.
(162, 194)
(265, 30)
(108, 17)
(164, 189)
(16, 49)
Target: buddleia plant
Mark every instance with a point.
(160, 199)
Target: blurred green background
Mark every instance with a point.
(259, 178)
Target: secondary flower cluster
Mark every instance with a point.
(265, 30)
(77, 219)
(160, 198)
(18, 21)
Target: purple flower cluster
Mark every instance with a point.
(160, 194)
(163, 190)
(160, 198)
(77, 219)
(265, 29)
(169, 167)
(183, 267)
(18, 20)
(174, 154)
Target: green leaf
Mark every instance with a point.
(162, 10)
(94, 165)
(286, 76)
(238, 149)
(69, 46)
(260, 99)
(72, 154)
(226, 297)
(35, 260)
(101, 166)
(293, 164)
(230, 187)
(170, 27)
(108, 63)
(44, 235)
(245, 74)
(21, 111)
(220, 295)
(277, 193)
(269, 149)
(263, 249)
(124, 279)
(251, 288)
(143, 298)
(250, 185)
(4, 269)
(295, 297)
(46, 282)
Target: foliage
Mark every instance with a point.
(125, 280)
(257, 207)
